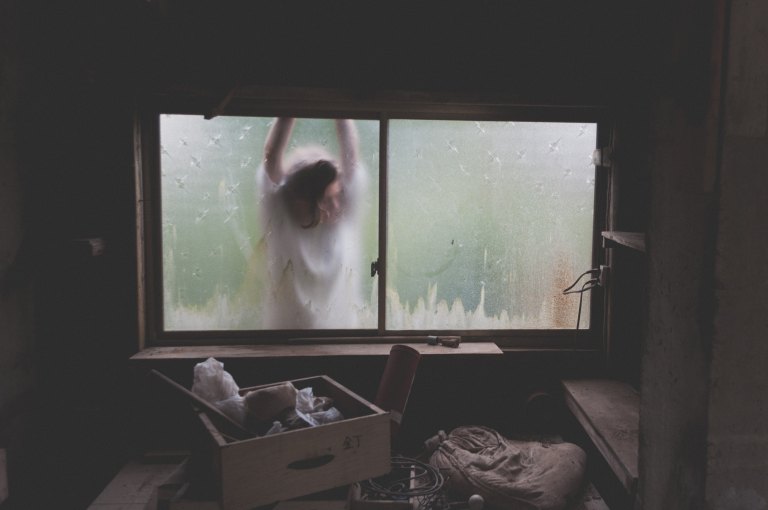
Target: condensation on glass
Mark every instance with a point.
(225, 265)
(488, 222)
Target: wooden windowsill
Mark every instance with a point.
(609, 413)
(287, 351)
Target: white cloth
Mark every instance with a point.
(313, 274)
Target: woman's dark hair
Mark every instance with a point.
(308, 184)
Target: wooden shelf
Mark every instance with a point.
(610, 415)
(633, 240)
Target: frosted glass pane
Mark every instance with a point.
(225, 262)
(487, 223)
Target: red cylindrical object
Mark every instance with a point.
(396, 381)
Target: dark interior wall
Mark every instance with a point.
(738, 406)
(67, 323)
(516, 50)
(702, 407)
(17, 363)
(71, 71)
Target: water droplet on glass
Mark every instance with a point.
(201, 215)
(232, 189)
(244, 132)
(214, 140)
(230, 213)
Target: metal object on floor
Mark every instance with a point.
(411, 481)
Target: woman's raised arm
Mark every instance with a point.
(274, 148)
(348, 145)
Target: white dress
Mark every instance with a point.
(313, 274)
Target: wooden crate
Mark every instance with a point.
(177, 493)
(262, 470)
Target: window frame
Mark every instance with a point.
(334, 104)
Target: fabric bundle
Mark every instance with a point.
(510, 474)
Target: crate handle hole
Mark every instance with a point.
(312, 463)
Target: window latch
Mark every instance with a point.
(374, 267)
(602, 157)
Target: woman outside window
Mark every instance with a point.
(311, 221)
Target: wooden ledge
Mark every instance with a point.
(288, 351)
(634, 240)
(609, 413)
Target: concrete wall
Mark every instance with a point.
(681, 231)
(704, 398)
(737, 466)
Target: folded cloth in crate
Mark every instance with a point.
(509, 474)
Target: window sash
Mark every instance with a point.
(147, 152)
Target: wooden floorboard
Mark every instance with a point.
(134, 486)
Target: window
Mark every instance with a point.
(468, 224)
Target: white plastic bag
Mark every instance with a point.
(276, 428)
(234, 407)
(316, 410)
(328, 416)
(212, 383)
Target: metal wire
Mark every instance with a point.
(587, 286)
(409, 479)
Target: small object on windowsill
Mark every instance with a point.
(432, 340)
(450, 341)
